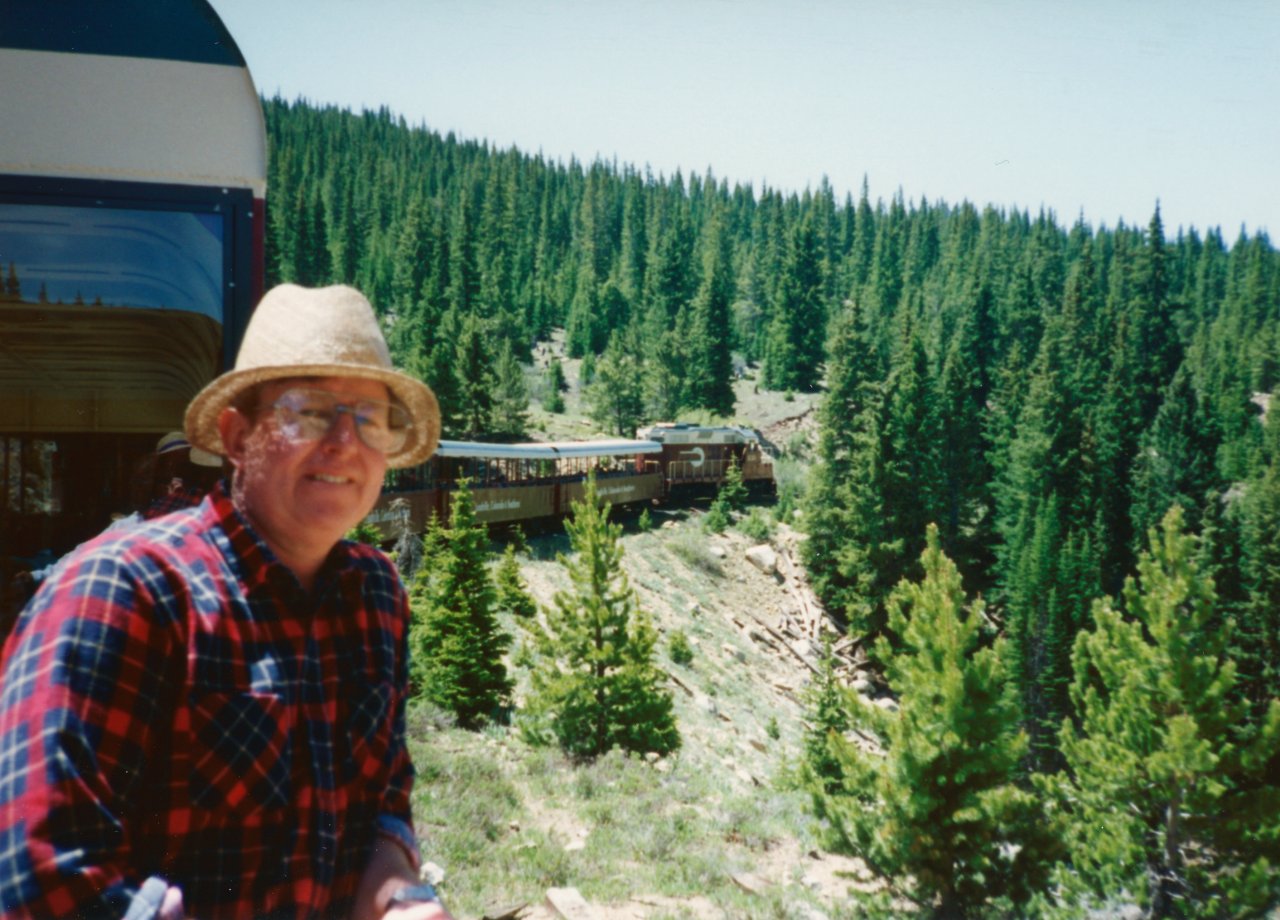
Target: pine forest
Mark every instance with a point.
(1044, 496)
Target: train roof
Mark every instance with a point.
(548, 450)
(689, 433)
(131, 90)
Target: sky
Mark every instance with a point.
(1087, 108)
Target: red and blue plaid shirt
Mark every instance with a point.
(172, 500)
(174, 706)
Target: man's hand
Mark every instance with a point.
(389, 871)
(427, 910)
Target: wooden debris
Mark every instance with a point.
(513, 912)
(569, 903)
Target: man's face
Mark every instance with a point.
(303, 495)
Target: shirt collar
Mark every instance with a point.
(259, 567)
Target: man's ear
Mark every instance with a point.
(234, 427)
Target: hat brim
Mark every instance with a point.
(201, 421)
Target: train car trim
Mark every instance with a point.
(547, 450)
(131, 119)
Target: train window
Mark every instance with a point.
(69, 254)
(30, 479)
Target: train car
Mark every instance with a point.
(517, 483)
(133, 164)
(695, 458)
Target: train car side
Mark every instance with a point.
(517, 483)
(132, 185)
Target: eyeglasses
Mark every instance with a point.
(308, 415)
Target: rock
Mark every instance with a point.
(861, 685)
(717, 551)
(759, 746)
(802, 911)
(579, 842)
(887, 703)
(508, 912)
(763, 558)
(751, 884)
(568, 903)
(431, 873)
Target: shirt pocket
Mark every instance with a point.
(369, 730)
(241, 758)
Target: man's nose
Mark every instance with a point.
(343, 430)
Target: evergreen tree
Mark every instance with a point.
(457, 642)
(939, 811)
(512, 594)
(474, 373)
(510, 397)
(1166, 790)
(615, 396)
(598, 685)
(828, 721)
(709, 375)
(665, 365)
(795, 345)
(554, 386)
(1256, 647)
(1176, 458)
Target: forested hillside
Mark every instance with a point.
(1043, 393)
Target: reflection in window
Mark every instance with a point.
(30, 481)
(112, 257)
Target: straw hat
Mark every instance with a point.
(316, 332)
(176, 440)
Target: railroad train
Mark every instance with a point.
(537, 482)
(133, 166)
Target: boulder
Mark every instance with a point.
(763, 558)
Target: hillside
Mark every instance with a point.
(712, 831)
(709, 832)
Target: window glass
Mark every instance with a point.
(115, 257)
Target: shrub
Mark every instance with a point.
(679, 649)
(756, 525)
(365, 532)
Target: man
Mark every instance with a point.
(203, 715)
(181, 475)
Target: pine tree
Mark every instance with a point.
(615, 396)
(510, 397)
(512, 594)
(553, 387)
(709, 380)
(828, 711)
(1167, 791)
(1176, 457)
(474, 373)
(733, 491)
(456, 640)
(939, 811)
(597, 684)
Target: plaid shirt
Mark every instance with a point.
(176, 710)
(173, 500)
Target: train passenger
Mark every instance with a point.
(203, 715)
(182, 475)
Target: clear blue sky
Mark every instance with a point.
(1100, 107)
